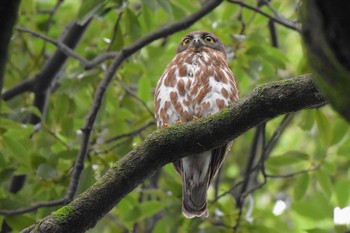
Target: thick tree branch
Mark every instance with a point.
(326, 35)
(8, 12)
(170, 144)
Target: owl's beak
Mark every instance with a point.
(197, 43)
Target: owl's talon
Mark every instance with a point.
(165, 125)
(179, 122)
(195, 118)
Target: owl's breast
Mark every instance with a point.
(194, 85)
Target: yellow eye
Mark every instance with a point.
(185, 41)
(209, 39)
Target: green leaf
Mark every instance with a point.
(325, 182)
(133, 25)
(316, 207)
(19, 222)
(46, 171)
(127, 209)
(6, 174)
(34, 110)
(88, 9)
(29, 6)
(87, 179)
(144, 89)
(61, 107)
(178, 12)
(10, 124)
(255, 51)
(18, 150)
(307, 120)
(144, 210)
(340, 128)
(344, 149)
(301, 186)
(149, 208)
(165, 4)
(342, 192)
(20, 133)
(151, 4)
(288, 158)
(4, 109)
(118, 39)
(323, 126)
(278, 53)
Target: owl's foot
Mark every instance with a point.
(195, 118)
(165, 125)
(179, 122)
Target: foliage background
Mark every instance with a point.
(307, 168)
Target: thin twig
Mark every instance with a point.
(87, 64)
(115, 30)
(257, 148)
(278, 133)
(277, 18)
(131, 134)
(49, 22)
(294, 174)
(61, 46)
(58, 202)
(54, 135)
(133, 95)
(44, 79)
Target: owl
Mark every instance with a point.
(196, 83)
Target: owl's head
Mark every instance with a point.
(198, 40)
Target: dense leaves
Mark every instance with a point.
(307, 169)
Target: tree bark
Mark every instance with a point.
(172, 143)
(326, 34)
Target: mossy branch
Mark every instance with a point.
(172, 143)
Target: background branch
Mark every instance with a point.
(277, 18)
(40, 86)
(266, 102)
(43, 80)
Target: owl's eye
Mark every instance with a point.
(209, 39)
(185, 41)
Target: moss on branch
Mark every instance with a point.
(172, 143)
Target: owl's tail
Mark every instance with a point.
(194, 200)
(195, 183)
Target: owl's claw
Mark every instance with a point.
(165, 125)
(195, 118)
(179, 122)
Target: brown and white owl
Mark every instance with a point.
(195, 84)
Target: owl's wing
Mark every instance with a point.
(217, 158)
(178, 166)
